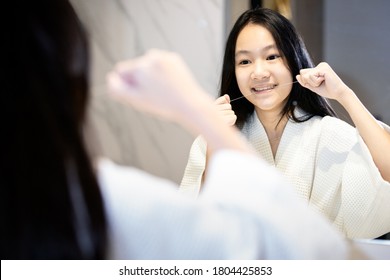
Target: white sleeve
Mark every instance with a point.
(366, 195)
(245, 212)
(349, 184)
(196, 164)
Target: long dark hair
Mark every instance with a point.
(293, 50)
(51, 206)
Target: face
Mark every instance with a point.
(261, 72)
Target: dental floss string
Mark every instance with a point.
(254, 93)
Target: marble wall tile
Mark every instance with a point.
(121, 29)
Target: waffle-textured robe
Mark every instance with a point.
(149, 219)
(329, 165)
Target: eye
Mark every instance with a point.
(244, 62)
(273, 57)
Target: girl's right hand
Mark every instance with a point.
(225, 109)
(159, 82)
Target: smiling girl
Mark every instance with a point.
(279, 102)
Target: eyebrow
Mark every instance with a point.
(267, 48)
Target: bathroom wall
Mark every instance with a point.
(357, 45)
(353, 37)
(122, 29)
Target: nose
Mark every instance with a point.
(260, 71)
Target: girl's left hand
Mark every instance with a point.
(323, 81)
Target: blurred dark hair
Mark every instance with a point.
(51, 206)
(294, 52)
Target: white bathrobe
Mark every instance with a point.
(329, 165)
(261, 219)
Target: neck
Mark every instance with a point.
(273, 123)
(274, 126)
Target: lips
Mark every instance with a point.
(262, 88)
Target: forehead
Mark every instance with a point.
(254, 36)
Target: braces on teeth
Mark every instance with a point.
(263, 89)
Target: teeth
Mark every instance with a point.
(264, 88)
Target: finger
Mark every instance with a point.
(121, 91)
(305, 71)
(230, 119)
(303, 82)
(221, 100)
(311, 77)
(132, 70)
(115, 85)
(224, 107)
(227, 113)
(127, 65)
(132, 96)
(299, 79)
(302, 77)
(124, 91)
(316, 79)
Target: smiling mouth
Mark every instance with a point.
(262, 89)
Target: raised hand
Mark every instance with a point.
(158, 82)
(323, 81)
(225, 109)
